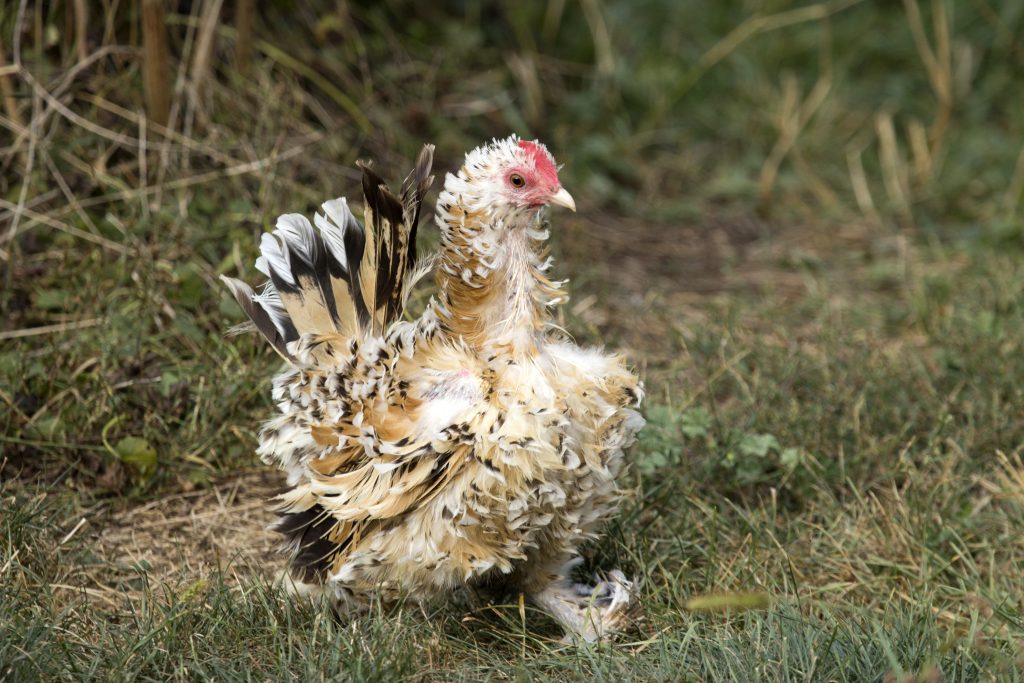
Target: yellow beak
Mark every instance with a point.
(563, 198)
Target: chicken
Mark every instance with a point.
(475, 445)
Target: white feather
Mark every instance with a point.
(270, 300)
(261, 265)
(296, 231)
(274, 258)
(336, 219)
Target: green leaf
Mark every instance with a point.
(49, 427)
(52, 299)
(167, 382)
(696, 422)
(791, 458)
(758, 445)
(137, 452)
(652, 461)
(659, 415)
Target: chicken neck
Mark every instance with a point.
(491, 278)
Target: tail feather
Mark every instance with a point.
(341, 278)
(390, 253)
(414, 188)
(344, 239)
(378, 221)
(297, 261)
(261, 317)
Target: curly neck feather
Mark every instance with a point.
(492, 287)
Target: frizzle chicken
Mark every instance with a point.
(474, 445)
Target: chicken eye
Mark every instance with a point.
(517, 180)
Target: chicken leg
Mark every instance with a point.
(588, 612)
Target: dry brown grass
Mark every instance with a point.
(182, 537)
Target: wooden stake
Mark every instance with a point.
(81, 24)
(244, 10)
(156, 79)
(204, 45)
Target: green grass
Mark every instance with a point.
(810, 250)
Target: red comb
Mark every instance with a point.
(542, 160)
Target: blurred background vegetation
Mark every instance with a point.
(803, 222)
(118, 212)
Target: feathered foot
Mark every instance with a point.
(343, 602)
(588, 613)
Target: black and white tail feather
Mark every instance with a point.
(342, 277)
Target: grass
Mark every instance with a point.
(803, 223)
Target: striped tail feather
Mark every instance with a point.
(339, 277)
(390, 253)
(270, 320)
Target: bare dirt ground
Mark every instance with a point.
(182, 537)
